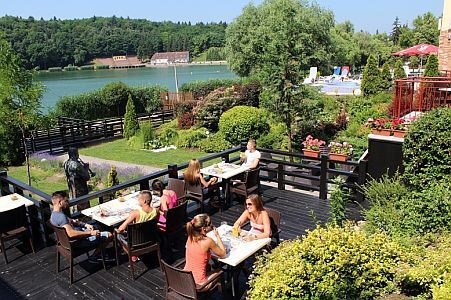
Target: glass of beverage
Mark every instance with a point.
(235, 231)
(224, 223)
(242, 155)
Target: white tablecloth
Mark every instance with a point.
(117, 211)
(238, 249)
(224, 170)
(7, 203)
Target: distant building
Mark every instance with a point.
(170, 57)
(444, 52)
(120, 62)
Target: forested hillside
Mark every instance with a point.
(58, 43)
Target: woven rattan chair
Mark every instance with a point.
(178, 186)
(249, 185)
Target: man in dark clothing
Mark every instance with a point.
(77, 174)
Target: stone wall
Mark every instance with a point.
(444, 52)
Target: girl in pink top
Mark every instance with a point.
(198, 247)
(258, 217)
(168, 199)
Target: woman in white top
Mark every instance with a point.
(252, 155)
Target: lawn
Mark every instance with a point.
(118, 150)
(46, 181)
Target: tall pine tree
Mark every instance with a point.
(386, 80)
(431, 68)
(131, 125)
(371, 81)
(399, 71)
(396, 31)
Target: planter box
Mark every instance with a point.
(384, 132)
(338, 157)
(399, 133)
(311, 153)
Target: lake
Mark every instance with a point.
(76, 82)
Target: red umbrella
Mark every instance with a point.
(421, 49)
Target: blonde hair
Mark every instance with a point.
(194, 227)
(191, 172)
(257, 201)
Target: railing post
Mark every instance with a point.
(44, 215)
(144, 185)
(101, 200)
(363, 164)
(226, 157)
(4, 186)
(280, 177)
(323, 178)
(172, 171)
(49, 141)
(104, 129)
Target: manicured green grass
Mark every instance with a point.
(119, 150)
(46, 181)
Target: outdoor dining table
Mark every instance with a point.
(14, 200)
(225, 171)
(117, 210)
(238, 250)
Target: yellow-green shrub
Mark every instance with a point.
(329, 263)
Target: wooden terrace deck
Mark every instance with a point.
(29, 276)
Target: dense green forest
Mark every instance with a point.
(58, 43)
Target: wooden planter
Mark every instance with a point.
(311, 153)
(384, 132)
(399, 133)
(338, 157)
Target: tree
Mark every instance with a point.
(276, 41)
(431, 68)
(386, 80)
(371, 81)
(425, 29)
(399, 72)
(112, 179)
(131, 125)
(396, 31)
(20, 101)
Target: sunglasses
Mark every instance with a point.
(249, 204)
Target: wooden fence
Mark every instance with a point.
(75, 132)
(306, 173)
(170, 99)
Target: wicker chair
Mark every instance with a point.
(13, 224)
(178, 186)
(274, 217)
(180, 283)
(249, 185)
(195, 193)
(68, 248)
(142, 239)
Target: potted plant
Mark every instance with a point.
(379, 126)
(339, 151)
(399, 128)
(312, 146)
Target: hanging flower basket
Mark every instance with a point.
(384, 132)
(311, 153)
(338, 156)
(399, 133)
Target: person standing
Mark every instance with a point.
(77, 175)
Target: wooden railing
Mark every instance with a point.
(317, 173)
(420, 94)
(75, 132)
(170, 99)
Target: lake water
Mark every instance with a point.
(75, 82)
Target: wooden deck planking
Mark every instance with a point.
(34, 277)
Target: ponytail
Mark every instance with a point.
(194, 227)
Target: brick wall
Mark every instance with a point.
(444, 52)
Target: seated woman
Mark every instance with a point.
(258, 217)
(252, 156)
(168, 199)
(198, 247)
(193, 177)
(144, 214)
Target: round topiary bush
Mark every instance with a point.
(241, 123)
(426, 149)
(329, 263)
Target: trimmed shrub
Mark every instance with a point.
(186, 120)
(70, 68)
(329, 263)
(204, 87)
(241, 123)
(431, 68)
(87, 67)
(131, 125)
(215, 143)
(426, 149)
(275, 139)
(191, 138)
(112, 177)
(386, 81)
(371, 81)
(102, 67)
(147, 97)
(399, 71)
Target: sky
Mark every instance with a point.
(367, 15)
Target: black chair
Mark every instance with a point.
(249, 185)
(175, 219)
(274, 217)
(13, 225)
(180, 283)
(270, 168)
(178, 186)
(68, 248)
(194, 192)
(142, 238)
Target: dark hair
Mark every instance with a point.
(59, 195)
(256, 201)
(194, 227)
(148, 196)
(72, 152)
(158, 186)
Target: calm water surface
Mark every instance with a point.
(75, 82)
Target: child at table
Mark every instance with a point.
(144, 214)
(168, 200)
(198, 247)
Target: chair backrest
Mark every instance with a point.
(252, 177)
(194, 191)
(13, 218)
(178, 186)
(142, 235)
(176, 218)
(179, 281)
(274, 215)
(61, 236)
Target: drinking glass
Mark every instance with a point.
(224, 223)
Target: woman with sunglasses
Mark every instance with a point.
(258, 217)
(198, 247)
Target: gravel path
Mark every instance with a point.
(119, 164)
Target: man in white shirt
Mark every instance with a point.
(252, 155)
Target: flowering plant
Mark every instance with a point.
(399, 124)
(312, 144)
(378, 124)
(340, 148)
